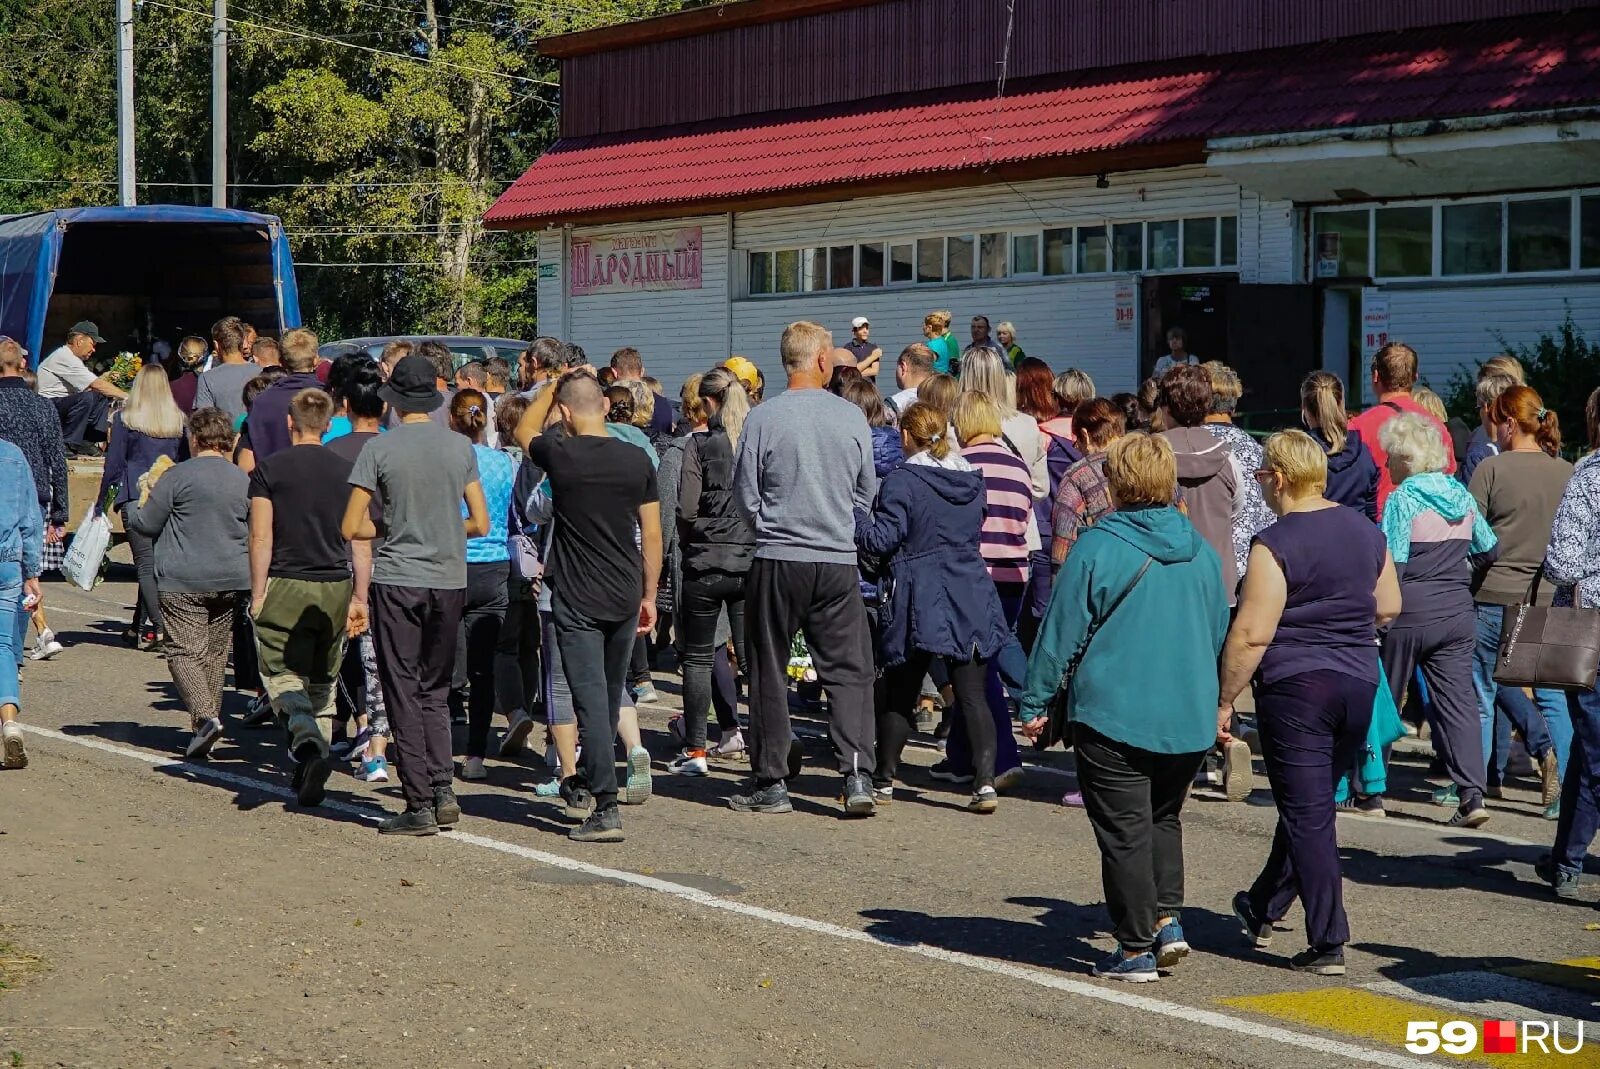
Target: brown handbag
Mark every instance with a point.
(1556, 648)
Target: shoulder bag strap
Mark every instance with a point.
(1096, 625)
(1391, 404)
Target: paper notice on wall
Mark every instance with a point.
(1374, 322)
(1123, 302)
(1328, 254)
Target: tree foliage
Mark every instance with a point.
(379, 130)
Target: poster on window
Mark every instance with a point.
(1328, 254)
(1123, 300)
(1374, 323)
(643, 260)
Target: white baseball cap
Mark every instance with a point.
(859, 321)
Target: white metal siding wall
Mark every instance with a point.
(1067, 321)
(1457, 326)
(678, 332)
(549, 289)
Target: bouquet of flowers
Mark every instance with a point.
(124, 369)
(800, 669)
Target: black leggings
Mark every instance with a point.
(896, 715)
(144, 565)
(477, 641)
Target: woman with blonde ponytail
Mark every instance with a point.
(1352, 472)
(716, 546)
(925, 526)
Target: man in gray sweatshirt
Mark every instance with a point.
(804, 467)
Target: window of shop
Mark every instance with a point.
(1206, 242)
(1487, 237)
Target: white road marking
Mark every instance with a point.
(1038, 977)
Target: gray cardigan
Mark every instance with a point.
(199, 516)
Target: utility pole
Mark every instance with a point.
(126, 195)
(219, 103)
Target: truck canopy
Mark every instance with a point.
(142, 272)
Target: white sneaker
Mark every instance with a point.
(732, 742)
(46, 648)
(636, 788)
(204, 739)
(1237, 775)
(472, 769)
(688, 763)
(15, 756)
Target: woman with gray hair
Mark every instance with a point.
(1254, 516)
(1006, 334)
(1437, 538)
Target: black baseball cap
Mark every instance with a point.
(411, 386)
(88, 330)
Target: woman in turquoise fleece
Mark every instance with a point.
(1141, 724)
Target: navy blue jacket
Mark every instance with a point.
(131, 453)
(887, 452)
(927, 522)
(1352, 476)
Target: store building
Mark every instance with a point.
(1289, 181)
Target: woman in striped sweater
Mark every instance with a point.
(1008, 517)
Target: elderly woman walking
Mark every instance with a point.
(1140, 570)
(1438, 539)
(198, 517)
(1319, 585)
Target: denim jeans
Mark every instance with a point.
(1552, 704)
(13, 629)
(1580, 790)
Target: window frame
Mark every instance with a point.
(1574, 267)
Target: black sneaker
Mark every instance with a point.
(1319, 962)
(857, 795)
(446, 810)
(1258, 931)
(601, 826)
(1468, 815)
(1563, 883)
(797, 755)
(410, 822)
(773, 798)
(577, 799)
(311, 774)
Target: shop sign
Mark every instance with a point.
(549, 270)
(644, 260)
(1123, 311)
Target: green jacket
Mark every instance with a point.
(1149, 678)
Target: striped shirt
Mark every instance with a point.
(1008, 488)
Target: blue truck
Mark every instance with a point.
(155, 271)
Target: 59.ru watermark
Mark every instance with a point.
(1498, 1037)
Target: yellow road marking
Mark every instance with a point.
(1576, 974)
(1355, 1012)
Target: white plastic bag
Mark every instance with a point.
(88, 552)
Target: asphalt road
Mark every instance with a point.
(192, 915)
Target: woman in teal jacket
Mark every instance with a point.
(1141, 725)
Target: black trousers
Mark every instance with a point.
(897, 714)
(415, 630)
(477, 644)
(1311, 726)
(823, 602)
(148, 604)
(1133, 798)
(84, 417)
(246, 671)
(595, 656)
(1443, 651)
(518, 677)
(703, 598)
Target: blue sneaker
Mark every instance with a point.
(1135, 970)
(548, 789)
(1171, 947)
(375, 770)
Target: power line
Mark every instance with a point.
(431, 61)
(414, 263)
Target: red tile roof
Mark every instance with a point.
(1520, 65)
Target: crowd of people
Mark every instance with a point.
(385, 546)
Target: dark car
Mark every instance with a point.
(465, 350)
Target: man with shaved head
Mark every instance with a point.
(602, 582)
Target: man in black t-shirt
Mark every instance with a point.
(300, 585)
(603, 583)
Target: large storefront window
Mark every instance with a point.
(1203, 242)
(1481, 237)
